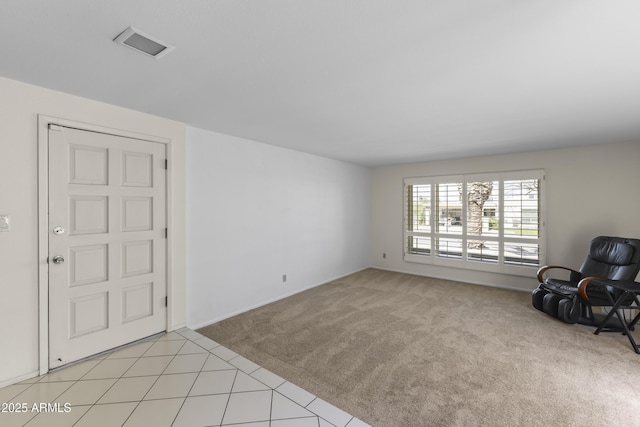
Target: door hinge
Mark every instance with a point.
(166, 301)
(166, 163)
(166, 233)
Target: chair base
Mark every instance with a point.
(571, 309)
(612, 325)
(567, 308)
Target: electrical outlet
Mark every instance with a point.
(284, 278)
(384, 255)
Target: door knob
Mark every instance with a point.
(58, 259)
(58, 230)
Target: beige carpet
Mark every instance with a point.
(401, 350)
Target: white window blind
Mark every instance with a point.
(491, 222)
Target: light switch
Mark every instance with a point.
(4, 222)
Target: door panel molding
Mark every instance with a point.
(44, 123)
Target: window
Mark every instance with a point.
(490, 222)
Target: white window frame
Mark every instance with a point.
(500, 266)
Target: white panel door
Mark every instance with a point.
(107, 244)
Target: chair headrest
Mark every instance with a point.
(617, 253)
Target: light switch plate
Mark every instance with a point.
(4, 222)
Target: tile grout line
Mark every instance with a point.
(76, 381)
(200, 371)
(186, 363)
(115, 382)
(226, 406)
(318, 415)
(157, 379)
(271, 408)
(138, 358)
(194, 382)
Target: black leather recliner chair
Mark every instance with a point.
(610, 258)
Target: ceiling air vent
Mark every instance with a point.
(143, 43)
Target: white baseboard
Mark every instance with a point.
(475, 282)
(19, 378)
(268, 301)
(278, 298)
(176, 327)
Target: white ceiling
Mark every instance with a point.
(366, 81)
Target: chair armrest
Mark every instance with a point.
(545, 268)
(582, 285)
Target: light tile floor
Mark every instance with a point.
(178, 379)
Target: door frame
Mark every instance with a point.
(43, 221)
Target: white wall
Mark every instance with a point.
(256, 212)
(591, 191)
(20, 105)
